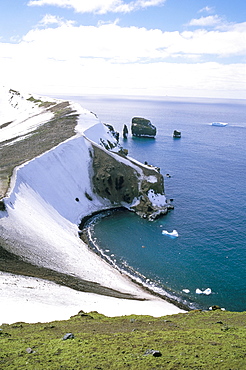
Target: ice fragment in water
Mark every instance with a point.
(206, 291)
(173, 234)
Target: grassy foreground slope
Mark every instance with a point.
(194, 340)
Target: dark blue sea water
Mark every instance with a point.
(208, 185)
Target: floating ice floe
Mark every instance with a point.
(186, 291)
(206, 291)
(173, 234)
(219, 124)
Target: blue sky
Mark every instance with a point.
(138, 47)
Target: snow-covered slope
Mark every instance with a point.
(48, 197)
(20, 114)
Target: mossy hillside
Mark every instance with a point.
(194, 340)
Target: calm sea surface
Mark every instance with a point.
(208, 185)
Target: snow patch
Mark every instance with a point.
(158, 200)
(43, 301)
(151, 179)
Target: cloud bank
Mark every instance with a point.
(99, 6)
(60, 56)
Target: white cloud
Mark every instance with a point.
(131, 44)
(130, 60)
(49, 19)
(211, 20)
(99, 6)
(206, 9)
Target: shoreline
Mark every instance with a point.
(84, 227)
(43, 295)
(12, 264)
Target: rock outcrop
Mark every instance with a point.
(176, 134)
(142, 127)
(125, 132)
(129, 184)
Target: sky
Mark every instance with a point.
(185, 48)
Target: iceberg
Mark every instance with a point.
(206, 291)
(173, 234)
(219, 124)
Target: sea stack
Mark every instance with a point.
(176, 134)
(125, 132)
(142, 127)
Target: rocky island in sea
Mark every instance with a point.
(142, 127)
(59, 164)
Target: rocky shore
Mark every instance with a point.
(84, 233)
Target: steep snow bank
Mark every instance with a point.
(42, 213)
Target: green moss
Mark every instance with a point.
(41, 103)
(195, 340)
(33, 100)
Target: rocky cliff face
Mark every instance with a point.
(124, 182)
(142, 127)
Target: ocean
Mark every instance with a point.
(207, 183)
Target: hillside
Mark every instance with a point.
(31, 129)
(195, 340)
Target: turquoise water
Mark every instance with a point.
(207, 183)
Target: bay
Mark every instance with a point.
(207, 183)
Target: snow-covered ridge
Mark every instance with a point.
(20, 114)
(51, 193)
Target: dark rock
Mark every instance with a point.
(215, 307)
(125, 132)
(115, 134)
(123, 152)
(176, 134)
(153, 353)
(68, 336)
(142, 127)
(3, 334)
(2, 205)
